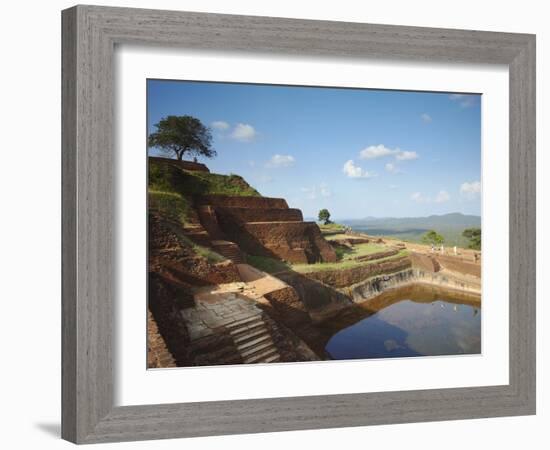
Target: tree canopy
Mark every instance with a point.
(324, 216)
(433, 238)
(181, 135)
(474, 235)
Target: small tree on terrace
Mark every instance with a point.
(432, 238)
(324, 216)
(180, 135)
(474, 235)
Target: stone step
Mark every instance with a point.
(249, 334)
(244, 322)
(249, 352)
(262, 356)
(239, 332)
(245, 346)
(275, 358)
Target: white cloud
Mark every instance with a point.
(220, 125)
(392, 168)
(406, 156)
(376, 151)
(464, 100)
(381, 151)
(353, 171)
(470, 189)
(442, 197)
(277, 161)
(393, 186)
(317, 191)
(324, 190)
(243, 132)
(419, 198)
(426, 118)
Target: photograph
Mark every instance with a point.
(300, 223)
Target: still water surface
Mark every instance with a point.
(412, 327)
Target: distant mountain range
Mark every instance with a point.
(450, 226)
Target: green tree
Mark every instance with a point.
(432, 238)
(474, 235)
(324, 216)
(180, 135)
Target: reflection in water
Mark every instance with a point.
(419, 322)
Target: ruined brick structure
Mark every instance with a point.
(264, 226)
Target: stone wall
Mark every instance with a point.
(297, 242)
(424, 262)
(374, 286)
(319, 300)
(240, 202)
(158, 354)
(241, 215)
(340, 278)
(457, 265)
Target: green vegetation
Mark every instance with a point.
(181, 135)
(272, 265)
(344, 264)
(171, 205)
(474, 236)
(205, 252)
(360, 250)
(267, 264)
(324, 216)
(170, 188)
(331, 229)
(411, 229)
(433, 238)
(166, 177)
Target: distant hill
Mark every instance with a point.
(450, 226)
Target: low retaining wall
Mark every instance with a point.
(374, 286)
(340, 278)
(378, 255)
(425, 262)
(319, 300)
(459, 265)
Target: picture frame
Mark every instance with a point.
(90, 34)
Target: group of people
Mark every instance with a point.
(442, 249)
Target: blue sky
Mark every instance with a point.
(356, 152)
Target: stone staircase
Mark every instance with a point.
(253, 340)
(197, 234)
(230, 250)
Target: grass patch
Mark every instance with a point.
(266, 264)
(358, 250)
(165, 177)
(331, 228)
(344, 264)
(205, 252)
(171, 205)
(363, 250)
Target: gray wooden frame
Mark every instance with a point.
(90, 34)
